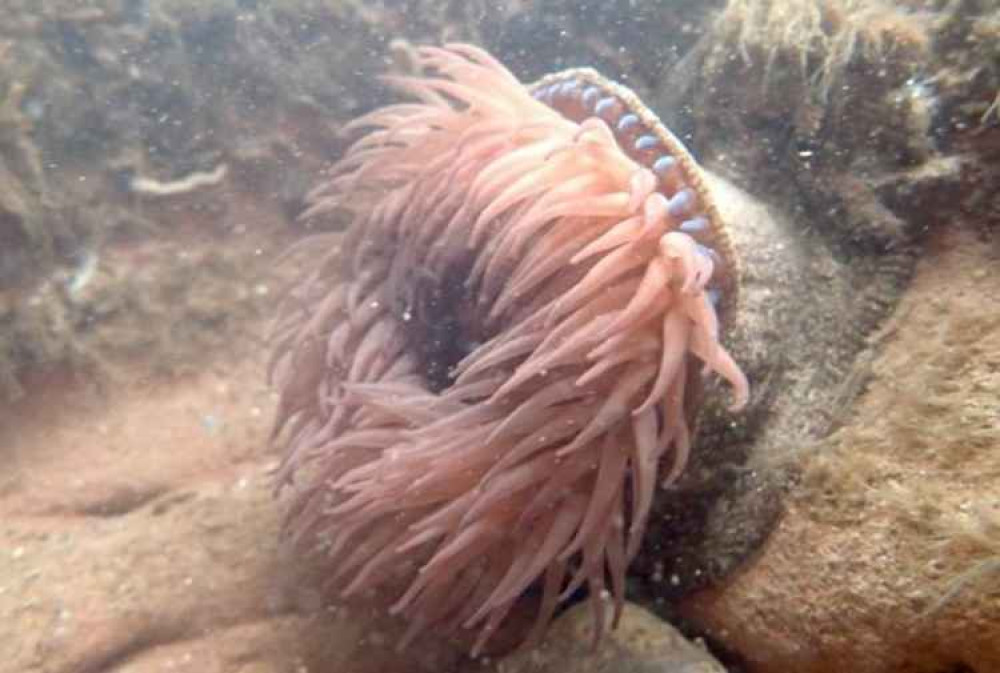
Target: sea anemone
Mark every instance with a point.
(480, 376)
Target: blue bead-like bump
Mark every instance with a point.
(680, 203)
(645, 143)
(606, 106)
(713, 296)
(590, 96)
(664, 165)
(628, 123)
(694, 226)
(568, 89)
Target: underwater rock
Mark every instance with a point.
(800, 118)
(896, 523)
(642, 642)
(138, 536)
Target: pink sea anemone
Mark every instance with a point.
(480, 378)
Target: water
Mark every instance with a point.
(156, 160)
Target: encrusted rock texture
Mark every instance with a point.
(154, 156)
(888, 557)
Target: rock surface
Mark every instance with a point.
(139, 533)
(888, 556)
(642, 643)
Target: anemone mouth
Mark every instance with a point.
(437, 324)
(486, 372)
